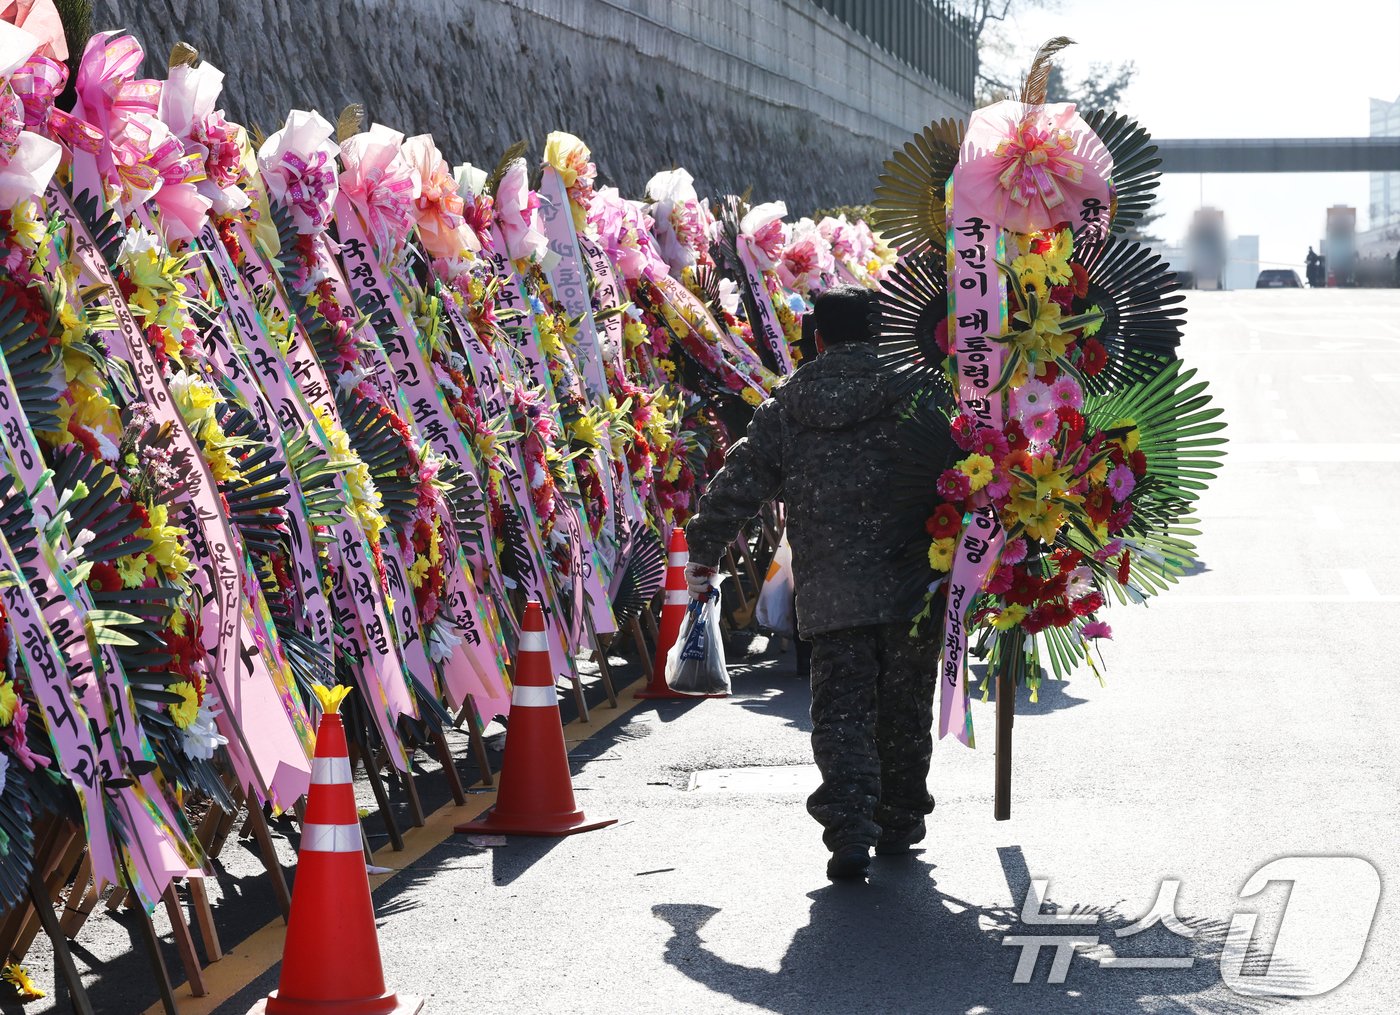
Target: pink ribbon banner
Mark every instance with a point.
(768, 327)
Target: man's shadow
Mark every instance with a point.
(898, 944)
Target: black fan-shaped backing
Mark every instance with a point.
(643, 572)
(254, 503)
(32, 363)
(1143, 313)
(912, 300)
(382, 449)
(1135, 162)
(924, 448)
(909, 208)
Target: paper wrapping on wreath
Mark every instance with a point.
(1029, 168)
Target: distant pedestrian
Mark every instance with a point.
(825, 443)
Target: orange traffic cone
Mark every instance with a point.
(330, 962)
(536, 796)
(672, 614)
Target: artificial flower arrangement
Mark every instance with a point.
(1045, 347)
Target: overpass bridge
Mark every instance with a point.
(1279, 155)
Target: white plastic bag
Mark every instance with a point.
(695, 664)
(775, 610)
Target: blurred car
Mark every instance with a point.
(1278, 278)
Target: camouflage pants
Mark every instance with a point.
(872, 732)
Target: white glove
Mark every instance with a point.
(697, 579)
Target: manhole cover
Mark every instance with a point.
(757, 779)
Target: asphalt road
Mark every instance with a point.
(1247, 716)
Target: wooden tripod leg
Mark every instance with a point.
(63, 956)
(649, 622)
(381, 797)
(580, 702)
(1006, 718)
(404, 780)
(600, 654)
(449, 767)
(148, 935)
(478, 743)
(82, 899)
(634, 625)
(70, 848)
(184, 941)
(263, 835)
(204, 916)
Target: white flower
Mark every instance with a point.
(351, 378)
(4, 770)
(442, 639)
(470, 179)
(1081, 583)
(202, 738)
(729, 296)
(136, 242)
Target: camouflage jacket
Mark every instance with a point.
(825, 444)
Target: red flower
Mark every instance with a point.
(1059, 614)
(1123, 563)
(1093, 356)
(1120, 519)
(1081, 279)
(1051, 373)
(940, 335)
(945, 521)
(1001, 581)
(104, 578)
(1055, 587)
(1098, 505)
(964, 431)
(1067, 559)
(1025, 588)
(1015, 436)
(1036, 621)
(1071, 420)
(1138, 461)
(85, 437)
(1063, 295)
(1084, 607)
(953, 485)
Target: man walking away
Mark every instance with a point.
(825, 443)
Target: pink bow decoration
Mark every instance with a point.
(27, 161)
(38, 83)
(1031, 168)
(766, 232)
(298, 163)
(381, 183)
(107, 86)
(517, 215)
(439, 208)
(40, 19)
(187, 104)
(151, 162)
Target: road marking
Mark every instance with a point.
(1307, 476)
(1358, 583)
(256, 954)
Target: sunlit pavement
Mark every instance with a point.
(1248, 715)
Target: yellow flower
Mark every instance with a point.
(634, 333)
(8, 700)
(752, 397)
(166, 546)
(132, 570)
(418, 572)
(1009, 617)
(1030, 270)
(673, 470)
(567, 154)
(978, 469)
(1092, 328)
(1043, 331)
(1130, 440)
(15, 974)
(940, 553)
(184, 713)
(24, 225)
(1057, 270)
(668, 367)
(1044, 522)
(194, 398)
(585, 431)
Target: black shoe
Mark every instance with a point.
(898, 843)
(849, 861)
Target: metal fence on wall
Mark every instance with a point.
(928, 35)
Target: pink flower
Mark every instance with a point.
(298, 164)
(953, 485)
(1065, 393)
(1109, 550)
(763, 225)
(1014, 552)
(806, 258)
(382, 184)
(1095, 630)
(999, 487)
(1041, 428)
(1121, 482)
(991, 443)
(518, 228)
(439, 207)
(1031, 398)
(1000, 580)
